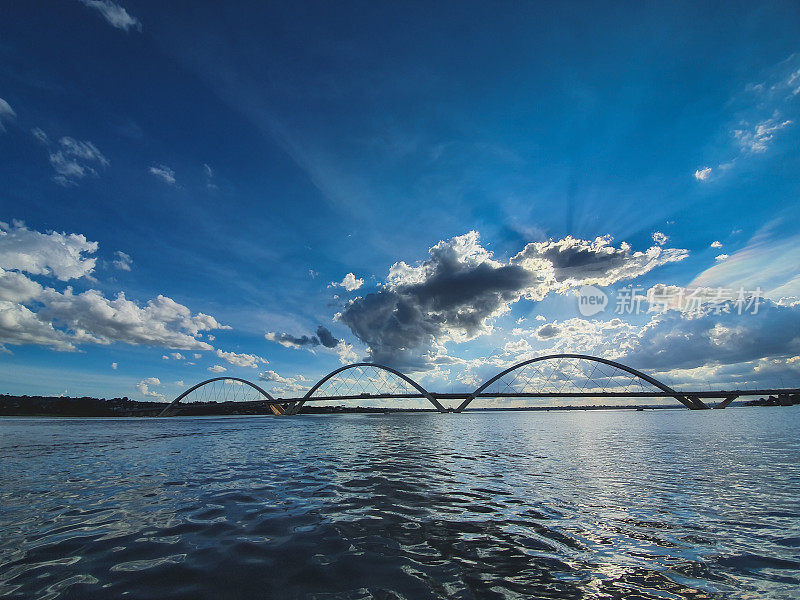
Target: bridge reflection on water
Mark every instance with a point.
(551, 376)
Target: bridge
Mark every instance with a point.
(552, 376)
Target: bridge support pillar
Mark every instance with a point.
(435, 402)
(286, 408)
(277, 409)
(696, 403)
(294, 407)
(726, 401)
(463, 405)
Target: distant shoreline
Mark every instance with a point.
(63, 406)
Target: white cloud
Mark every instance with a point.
(64, 319)
(716, 244)
(282, 385)
(21, 326)
(702, 174)
(6, 114)
(114, 366)
(516, 347)
(272, 376)
(217, 369)
(350, 283)
(144, 388)
(51, 254)
(122, 261)
(756, 139)
(197, 354)
(720, 257)
(608, 339)
(73, 160)
(164, 173)
(660, 238)
(346, 352)
(92, 318)
(115, 14)
(16, 287)
(241, 360)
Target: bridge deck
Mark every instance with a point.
(465, 395)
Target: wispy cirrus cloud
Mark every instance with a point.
(6, 114)
(768, 261)
(114, 14)
(164, 173)
(768, 109)
(756, 138)
(122, 261)
(71, 159)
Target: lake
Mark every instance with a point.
(560, 504)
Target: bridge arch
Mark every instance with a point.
(691, 403)
(166, 412)
(394, 372)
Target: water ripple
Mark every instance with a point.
(503, 505)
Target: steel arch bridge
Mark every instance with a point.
(636, 377)
(550, 376)
(170, 409)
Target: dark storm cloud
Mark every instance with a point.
(449, 296)
(454, 294)
(455, 302)
(288, 340)
(324, 337)
(547, 331)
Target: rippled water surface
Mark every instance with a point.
(668, 504)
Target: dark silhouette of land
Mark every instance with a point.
(62, 406)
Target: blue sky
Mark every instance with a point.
(246, 174)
